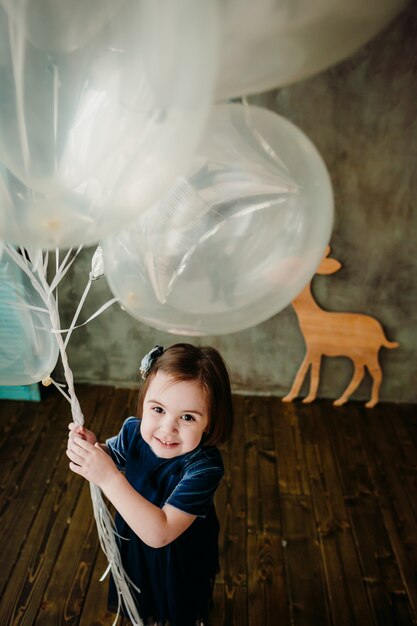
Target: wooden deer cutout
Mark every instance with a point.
(358, 337)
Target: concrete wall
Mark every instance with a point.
(361, 114)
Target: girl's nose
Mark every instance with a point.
(170, 423)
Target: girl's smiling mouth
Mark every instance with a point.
(166, 443)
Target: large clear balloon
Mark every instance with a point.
(235, 240)
(28, 349)
(91, 136)
(270, 44)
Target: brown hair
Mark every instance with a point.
(184, 361)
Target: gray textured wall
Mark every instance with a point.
(361, 114)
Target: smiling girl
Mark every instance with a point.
(171, 469)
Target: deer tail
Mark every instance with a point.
(390, 344)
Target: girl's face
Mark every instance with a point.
(175, 415)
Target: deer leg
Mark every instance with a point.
(298, 380)
(376, 373)
(358, 374)
(314, 379)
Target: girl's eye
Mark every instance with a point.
(157, 409)
(188, 418)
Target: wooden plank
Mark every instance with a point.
(386, 463)
(406, 464)
(292, 475)
(64, 595)
(267, 469)
(94, 610)
(267, 592)
(27, 484)
(252, 484)
(12, 412)
(31, 572)
(229, 605)
(408, 414)
(18, 438)
(327, 537)
(263, 512)
(304, 568)
(232, 512)
(347, 597)
(370, 534)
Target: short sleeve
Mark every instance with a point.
(119, 444)
(195, 491)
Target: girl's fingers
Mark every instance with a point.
(75, 468)
(79, 447)
(76, 427)
(85, 445)
(76, 437)
(71, 454)
(76, 431)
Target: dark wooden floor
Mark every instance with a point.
(318, 512)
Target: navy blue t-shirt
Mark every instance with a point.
(176, 581)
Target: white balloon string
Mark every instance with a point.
(106, 571)
(55, 322)
(102, 515)
(63, 269)
(56, 270)
(106, 533)
(45, 263)
(61, 266)
(59, 387)
(105, 306)
(22, 262)
(77, 312)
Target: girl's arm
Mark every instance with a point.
(155, 526)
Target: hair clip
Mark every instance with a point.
(149, 359)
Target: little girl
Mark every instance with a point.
(172, 468)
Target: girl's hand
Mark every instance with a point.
(77, 431)
(91, 462)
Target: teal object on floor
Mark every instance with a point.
(20, 392)
(28, 349)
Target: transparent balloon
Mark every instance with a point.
(28, 349)
(236, 239)
(91, 136)
(269, 44)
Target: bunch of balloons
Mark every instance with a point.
(212, 216)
